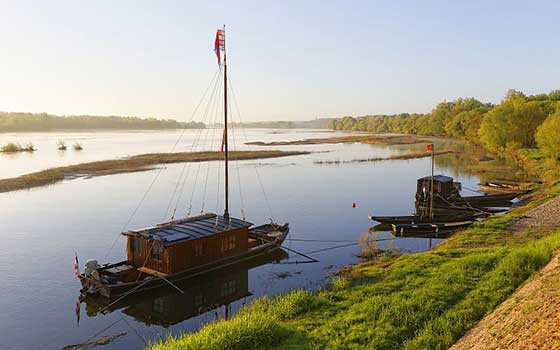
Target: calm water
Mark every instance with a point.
(42, 228)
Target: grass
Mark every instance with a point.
(420, 301)
(140, 162)
(16, 147)
(405, 156)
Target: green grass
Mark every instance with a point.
(419, 301)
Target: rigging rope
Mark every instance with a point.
(236, 165)
(199, 163)
(215, 112)
(158, 173)
(247, 140)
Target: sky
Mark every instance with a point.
(287, 60)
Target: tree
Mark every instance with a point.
(511, 124)
(548, 136)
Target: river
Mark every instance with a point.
(42, 228)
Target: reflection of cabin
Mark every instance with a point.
(200, 295)
(182, 244)
(443, 186)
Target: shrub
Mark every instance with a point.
(548, 136)
(16, 147)
(60, 145)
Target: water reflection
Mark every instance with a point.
(204, 293)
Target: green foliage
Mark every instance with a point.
(460, 118)
(548, 136)
(17, 122)
(512, 124)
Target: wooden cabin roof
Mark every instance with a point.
(178, 231)
(437, 178)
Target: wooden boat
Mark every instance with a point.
(178, 249)
(440, 190)
(500, 187)
(486, 200)
(417, 219)
(450, 209)
(175, 261)
(408, 230)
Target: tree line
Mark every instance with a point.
(518, 121)
(20, 122)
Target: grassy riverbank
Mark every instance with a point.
(140, 162)
(419, 301)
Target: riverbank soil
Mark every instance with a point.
(141, 162)
(530, 318)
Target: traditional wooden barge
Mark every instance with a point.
(179, 249)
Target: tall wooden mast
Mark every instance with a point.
(226, 207)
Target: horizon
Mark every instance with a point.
(145, 59)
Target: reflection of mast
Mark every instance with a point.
(432, 184)
(226, 209)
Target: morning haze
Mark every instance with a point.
(366, 175)
(290, 60)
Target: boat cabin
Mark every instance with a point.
(186, 243)
(443, 186)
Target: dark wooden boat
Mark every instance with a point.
(179, 249)
(485, 200)
(440, 191)
(402, 230)
(175, 261)
(447, 209)
(417, 219)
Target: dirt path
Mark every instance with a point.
(530, 318)
(543, 217)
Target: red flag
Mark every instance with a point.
(77, 309)
(429, 147)
(76, 266)
(218, 44)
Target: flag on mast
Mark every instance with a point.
(219, 44)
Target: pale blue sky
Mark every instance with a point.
(288, 59)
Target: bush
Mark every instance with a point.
(16, 147)
(548, 136)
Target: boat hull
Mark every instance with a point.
(428, 229)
